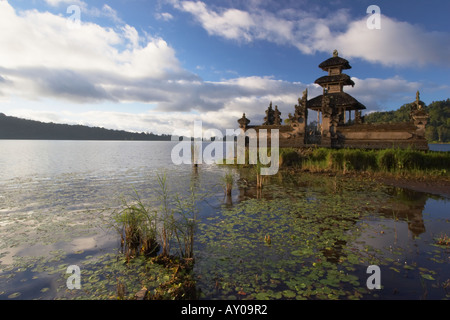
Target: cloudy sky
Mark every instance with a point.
(159, 65)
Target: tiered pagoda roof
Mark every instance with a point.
(339, 78)
(338, 99)
(335, 61)
(333, 84)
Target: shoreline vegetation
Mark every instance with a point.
(418, 170)
(425, 171)
(160, 235)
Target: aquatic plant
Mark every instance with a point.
(336, 160)
(137, 227)
(443, 240)
(228, 181)
(386, 160)
(186, 222)
(289, 157)
(169, 220)
(394, 161)
(166, 214)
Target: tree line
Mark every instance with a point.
(17, 128)
(437, 128)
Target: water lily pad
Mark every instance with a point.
(297, 253)
(14, 295)
(427, 276)
(261, 296)
(289, 294)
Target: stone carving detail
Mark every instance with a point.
(243, 122)
(301, 111)
(326, 108)
(334, 120)
(418, 105)
(358, 118)
(277, 116)
(269, 118)
(291, 118)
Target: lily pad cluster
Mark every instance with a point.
(319, 245)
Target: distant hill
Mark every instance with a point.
(437, 128)
(17, 128)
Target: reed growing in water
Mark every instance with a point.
(137, 226)
(164, 232)
(394, 161)
(153, 229)
(228, 180)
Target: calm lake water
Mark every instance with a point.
(439, 147)
(56, 200)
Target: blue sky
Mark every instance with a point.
(158, 66)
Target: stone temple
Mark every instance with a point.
(339, 118)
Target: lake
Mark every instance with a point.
(57, 200)
(439, 147)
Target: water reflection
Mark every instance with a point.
(398, 204)
(406, 205)
(61, 202)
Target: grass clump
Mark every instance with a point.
(137, 227)
(289, 157)
(393, 161)
(228, 180)
(386, 160)
(164, 232)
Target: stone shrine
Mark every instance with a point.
(336, 128)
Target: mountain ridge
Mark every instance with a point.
(15, 128)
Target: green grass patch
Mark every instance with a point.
(399, 161)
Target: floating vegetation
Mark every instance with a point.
(443, 240)
(305, 239)
(302, 236)
(301, 243)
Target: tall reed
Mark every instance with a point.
(137, 226)
(228, 180)
(171, 221)
(393, 160)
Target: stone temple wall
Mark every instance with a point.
(380, 136)
(336, 135)
(364, 136)
(290, 136)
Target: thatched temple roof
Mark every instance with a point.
(338, 99)
(334, 62)
(339, 78)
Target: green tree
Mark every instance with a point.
(438, 126)
(431, 133)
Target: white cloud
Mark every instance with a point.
(109, 12)
(105, 11)
(43, 60)
(397, 43)
(56, 3)
(41, 53)
(165, 16)
(376, 93)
